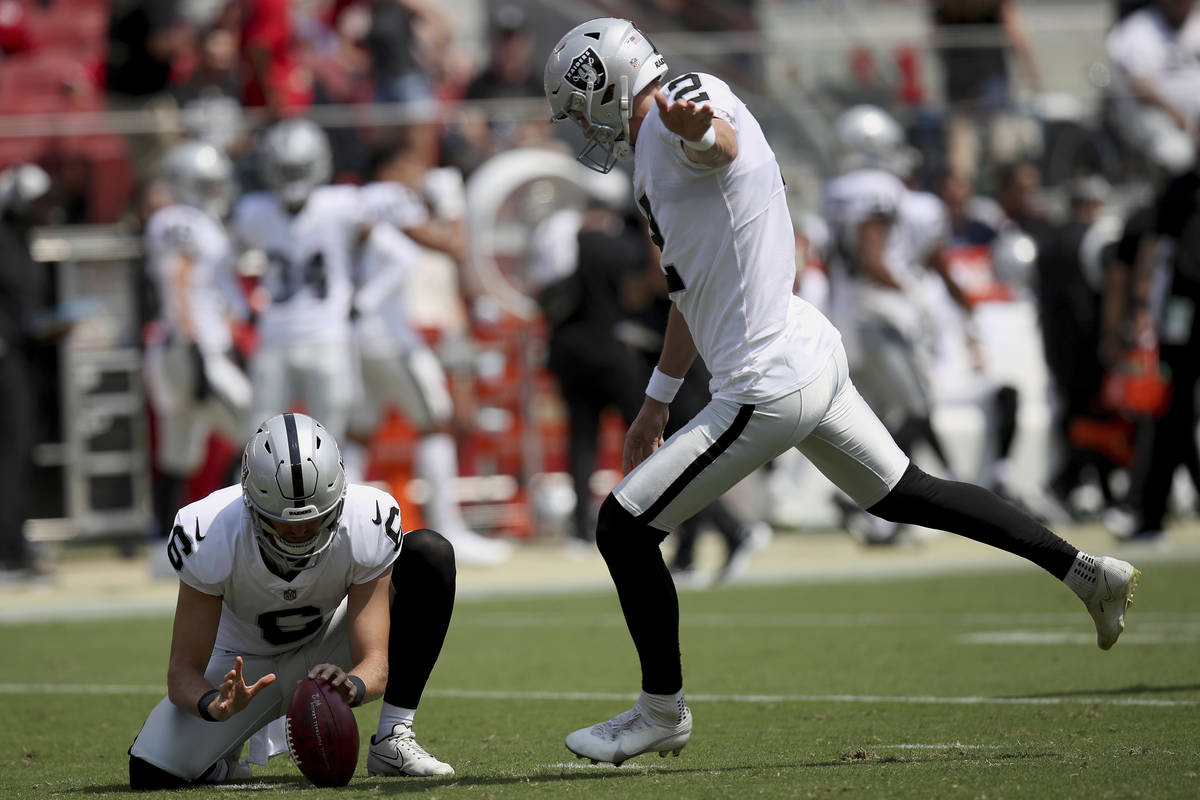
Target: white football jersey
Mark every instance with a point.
(215, 551)
(1144, 46)
(309, 261)
(385, 268)
(394, 202)
(729, 253)
(925, 225)
(180, 235)
(850, 200)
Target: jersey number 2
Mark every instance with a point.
(691, 93)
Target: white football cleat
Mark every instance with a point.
(630, 734)
(475, 550)
(400, 755)
(1115, 582)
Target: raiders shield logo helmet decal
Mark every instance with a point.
(586, 68)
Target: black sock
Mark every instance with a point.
(974, 512)
(424, 571)
(646, 592)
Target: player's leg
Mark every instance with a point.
(272, 382)
(175, 748)
(853, 449)
(720, 446)
(230, 397)
(419, 387)
(366, 413)
(327, 378)
(424, 575)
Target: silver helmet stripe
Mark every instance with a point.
(293, 437)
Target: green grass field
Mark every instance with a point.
(980, 685)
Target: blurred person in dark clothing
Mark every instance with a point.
(581, 261)
(210, 100)
(24, 190)
(1169, 441)
(1071, 280)
(145, 37)
(974, 39)
(510, 71)
(403, 40)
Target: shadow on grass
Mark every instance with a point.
(389, 786)
(1139, 688)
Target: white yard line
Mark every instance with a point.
(483, 694)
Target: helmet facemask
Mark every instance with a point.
(293, 555)
(292, 474)
(592, 77)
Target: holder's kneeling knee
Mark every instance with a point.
(145, 777)
(425, 550)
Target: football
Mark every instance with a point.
(322, 734)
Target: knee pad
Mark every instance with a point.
(427, 552)
(144, 776)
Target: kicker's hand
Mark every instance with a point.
(645, 434)
(683, 117)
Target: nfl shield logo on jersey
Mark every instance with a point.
(289, 594)
(586, 68)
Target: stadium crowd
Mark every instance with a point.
(279, 253)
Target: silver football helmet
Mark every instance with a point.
(199, 175)
(869, 138)
(592, 76)
(292, 473)
(295, 160)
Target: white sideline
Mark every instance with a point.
(484, 694)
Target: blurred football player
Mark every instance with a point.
(877, 260)
(713, 196)
(305, 235)
(398, 368)
(295, 572)
(194, 385)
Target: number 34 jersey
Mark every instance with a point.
(215, 551)
(309, 257)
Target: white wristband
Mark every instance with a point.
(705, 142)
(662, 387)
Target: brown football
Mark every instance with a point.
(322, 734)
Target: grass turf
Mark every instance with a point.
(980, 685)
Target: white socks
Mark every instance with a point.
(391, 716)
(355, 456)
(666, 709)
(436, 463)
(1081, 578)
